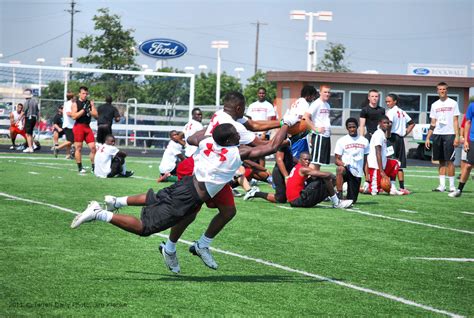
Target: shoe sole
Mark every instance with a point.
(193, 251)
(162, 251)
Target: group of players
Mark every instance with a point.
(229, 139)
(72, 120)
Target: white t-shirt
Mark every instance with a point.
(444, 113)
(352, 151)
(378, 139)
(220, 117)
(215, 165)
(260, 110)
(320, 112)
(68, 122)
(18, 123)
(190, 129)
(399, 119)
(299, 107)
(168, 162)
(103, 158)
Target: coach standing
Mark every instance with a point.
(107, 112)
(444, 127)
(31, 116)
(82, 112)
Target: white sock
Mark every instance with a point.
(104, 216)
(451, 182)
(334, 199)
(170, 246)
(442, 181)
(204, 241)
(120, 202)
(393, 187)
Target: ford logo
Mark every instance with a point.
(421, 71)
(163, 48)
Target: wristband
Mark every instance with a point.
(281, 123)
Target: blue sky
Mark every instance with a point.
(379, 35)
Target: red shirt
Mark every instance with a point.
(294, 184)
(463, 125)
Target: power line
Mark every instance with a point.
(35, 46)
(72, 11)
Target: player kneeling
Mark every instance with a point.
(110, 161)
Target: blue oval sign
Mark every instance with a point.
(421, 71)
(163, 48)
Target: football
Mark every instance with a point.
(297, 128)
(385, 184)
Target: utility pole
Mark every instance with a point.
(72, 12)
(256, 44)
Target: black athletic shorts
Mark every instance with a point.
(470, 153)
(280, 185)
(60, 133)
(313, 193)
(30, 124)
(398, 144)
(320, 149)
(443, 148)
(353, 185)
(116, 166)
(168, 206)
(69, 134)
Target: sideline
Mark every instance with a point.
(275, 265)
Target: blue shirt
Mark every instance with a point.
(469, 116)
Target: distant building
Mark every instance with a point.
(349, 92)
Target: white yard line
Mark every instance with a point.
(407, 221)
(32, 172)
(449, 259)
(284, 207)
(407, 211)
(282, 267)
(465, 212)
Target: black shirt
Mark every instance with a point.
(372, 117)
(86, 117)
(58, 120)
(107, 112)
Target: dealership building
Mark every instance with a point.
(349, 93)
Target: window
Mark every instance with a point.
(411, 103)
(285, 100)
(337, 104)
(359, 100)
(430, 99)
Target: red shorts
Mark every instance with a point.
(222, 198)
(391, 170)
(248, 172)
(15, 131)
(185, 168)
(82, 132)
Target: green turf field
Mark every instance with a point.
(274, 260)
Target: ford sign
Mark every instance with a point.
(421, 71)
(163, 48)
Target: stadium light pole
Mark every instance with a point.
(301, 15)
(40, 61)
(16, 62)
(317, 36)
(202, 68)
(189, 69)
(66, 62)
(219, 45)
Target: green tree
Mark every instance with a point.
(333, 59)
(256, 81)
(162, 90)
(114, 48)
(205, 88)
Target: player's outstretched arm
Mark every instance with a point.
(196, 138)
(261, 125)
(265, 149)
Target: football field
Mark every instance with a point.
(387, 256)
